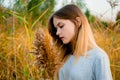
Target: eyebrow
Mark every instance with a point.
(58, 24)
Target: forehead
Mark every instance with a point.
(58, 21)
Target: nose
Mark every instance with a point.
(58, 32)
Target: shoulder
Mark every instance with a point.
(100, 53)
(101, 66)
(97, 53)
(101, 57)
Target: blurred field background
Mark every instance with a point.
(18, 25)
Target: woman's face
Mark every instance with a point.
(65, 29)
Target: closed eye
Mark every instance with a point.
(60, 26)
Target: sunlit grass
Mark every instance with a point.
(15, 59)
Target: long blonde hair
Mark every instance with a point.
(85, 39)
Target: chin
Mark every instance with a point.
(65, 42)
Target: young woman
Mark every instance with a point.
(82, 58)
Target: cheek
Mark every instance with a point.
(70, 33)
(69, 30)
(73, 34)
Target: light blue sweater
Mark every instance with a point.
(95, 66)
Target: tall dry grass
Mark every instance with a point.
(46, 54)
(15, 60)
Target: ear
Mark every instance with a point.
(78, 19)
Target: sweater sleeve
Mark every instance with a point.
(102, 69)
(61, 75)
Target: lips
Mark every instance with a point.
(61, 38)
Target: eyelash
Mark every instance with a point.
(61, 26)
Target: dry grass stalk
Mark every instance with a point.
(45, 54)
